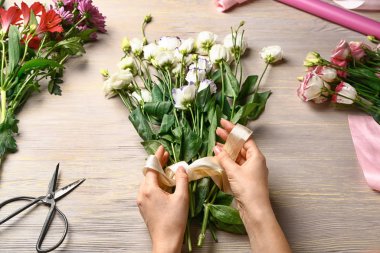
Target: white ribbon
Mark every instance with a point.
(203, 167)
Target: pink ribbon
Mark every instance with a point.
(365, 134)
(359, 4)
(223, 5)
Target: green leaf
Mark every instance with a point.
(85, 35)
(35, 64)
(141, 124)
(151, 146)
(223, 199)
(202, 98)
(157, 109)
(230, 81)
(190, 145)
(157, 95)
(72, 46)
(203, 188)
(247, 88)
(213, 118)
(13, 48)
(225, 214)
(231, 228)
(167, 122)
(7, 130)
(245, 111)
(260, 99)
(217, 76)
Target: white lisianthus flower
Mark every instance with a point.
(239, 46)
(136, 46)
(187, 46)
(177, 69)
(202, 63)
(312, 87)
(184, 96)
(326, 73)
(195, 75)
(145, 97)
(117, 81)
(164, 59)
(169, 43)
(207, 83)
(271, 54)
(150, 51)
(205, 41)
(345, 94)
(219, 53)
(127, 63)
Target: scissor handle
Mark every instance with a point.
(33, 201)
(46, 226)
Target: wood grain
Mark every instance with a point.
(317, 188)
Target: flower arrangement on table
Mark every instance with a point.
(35, 42)
(351, 77)
(176, 91)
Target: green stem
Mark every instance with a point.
(3, 105)
(74, 26)
(261, 78)
(188, 236)
(192, 202)
(221, 71)
(233, 108)
(202, 235)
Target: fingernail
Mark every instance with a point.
(181, 169)
(217, 150)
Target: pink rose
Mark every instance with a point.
(341, 64)
(342, 51)
(311, 87)
(357, 49)
(326, 73)
(345, 94)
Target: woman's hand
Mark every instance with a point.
(248, 177)
(165, 214)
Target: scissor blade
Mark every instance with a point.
(67, 189)
(53, 181)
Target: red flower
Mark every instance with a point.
(50, 22)
(34, 42)
(36, 7)
(8, 17)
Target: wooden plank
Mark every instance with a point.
(317, 189)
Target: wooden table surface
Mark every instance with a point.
(317, 188)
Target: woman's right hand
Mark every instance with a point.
(248, 177)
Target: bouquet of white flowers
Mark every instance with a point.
(176, 91)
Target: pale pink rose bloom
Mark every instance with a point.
(311, 87)
(357, 49)
(326, 73)
(341, 64)
(342, 51)
(345, 94)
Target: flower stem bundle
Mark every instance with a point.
(176, 91)
(351, 77)
(35, 42)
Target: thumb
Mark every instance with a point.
(182, 182)
(225, 160)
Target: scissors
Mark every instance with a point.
(49, 200)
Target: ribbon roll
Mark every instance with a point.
(203, 167)
(359, 4)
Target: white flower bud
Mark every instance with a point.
(271, 54)
(169, 43)
(187, 46)
(205, 41)
(219, 53)
(150, 51)
(136, 46)
(239, 46)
